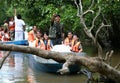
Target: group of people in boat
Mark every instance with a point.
(56, 36)
(13, 28)
(7, 30)
(45, 40)
(4, 34)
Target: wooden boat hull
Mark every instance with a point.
(50, 65)
(20, 42)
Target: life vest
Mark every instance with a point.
(75, 47)
(11, 26)
(68, 42)
(47, 46)
(31, 36)
(39, 44)
(6, 37)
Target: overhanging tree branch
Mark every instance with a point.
(93, 22)
(117, 66)
(91, 5)
(98, 30)
(78, 11)
(88, 29)
(88, 11)
(81, 7)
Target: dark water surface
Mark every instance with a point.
(16, 69)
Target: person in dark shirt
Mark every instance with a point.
(56, 29)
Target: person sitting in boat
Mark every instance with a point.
(77, 44)
(69, 40)
(6, 35)
(32, 34)
(11, 27)
(39, 43)
(47, 42)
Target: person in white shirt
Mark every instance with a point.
(19, 27)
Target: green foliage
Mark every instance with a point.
(2, 12)
(39, 12)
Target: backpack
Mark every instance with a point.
(52, 32)
(55, 31)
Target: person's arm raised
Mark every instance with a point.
(15, 13)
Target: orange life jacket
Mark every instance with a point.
(48, 47)
(68, 42)
(75, 47)
(41, 46)
(12, 27)
(31, 36)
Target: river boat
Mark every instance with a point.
(19, 42)
(50, 65)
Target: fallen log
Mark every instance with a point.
(94, 64)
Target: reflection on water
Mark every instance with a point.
(13, 69)
(16, 69)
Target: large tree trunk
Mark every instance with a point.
(94, 64)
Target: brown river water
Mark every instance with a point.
(17, 69)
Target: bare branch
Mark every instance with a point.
(98, 30)
(106, 57)
(93, 22)
(106, 21)
(117, 66)
(86, 29)
(111, 53)
(88, 33)
(88, 11)
(4, 58)
(91, 5)
(106, 32)
(81, 8)
(78, 9)
(69, 61)
(109, 58)
(84, 25)
(65, 68)
(95, 39)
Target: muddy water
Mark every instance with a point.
(16, 69)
